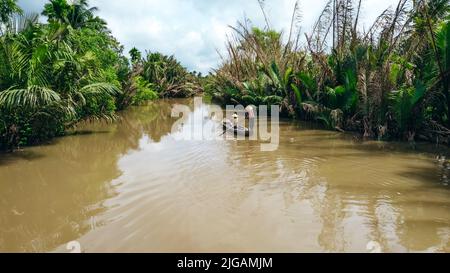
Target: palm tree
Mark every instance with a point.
(135, 55)
(47, 80)
(77, 14)
(31, 61)
(57, 11)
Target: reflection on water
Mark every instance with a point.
(132, 186)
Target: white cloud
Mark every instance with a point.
(192, 30)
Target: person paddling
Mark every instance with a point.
(235, 120)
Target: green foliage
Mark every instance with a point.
(443, 45)
(136, 55)
(168, 76)
(55, 75)
(404, 103)
(76, 14)
(144, 91)
(298, 94)
(390, 81)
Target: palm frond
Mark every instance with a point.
(100, 88)
(32, 97)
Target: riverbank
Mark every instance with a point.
(69, 69)
(389, 82)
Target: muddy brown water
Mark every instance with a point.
(132, 186)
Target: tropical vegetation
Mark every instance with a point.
(69, 69)
(390, 81)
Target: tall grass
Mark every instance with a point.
(389, 81)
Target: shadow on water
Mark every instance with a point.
(85, 132)
(11, 158)
(437, 176)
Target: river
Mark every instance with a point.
(133, 186)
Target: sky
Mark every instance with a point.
(195, 30)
